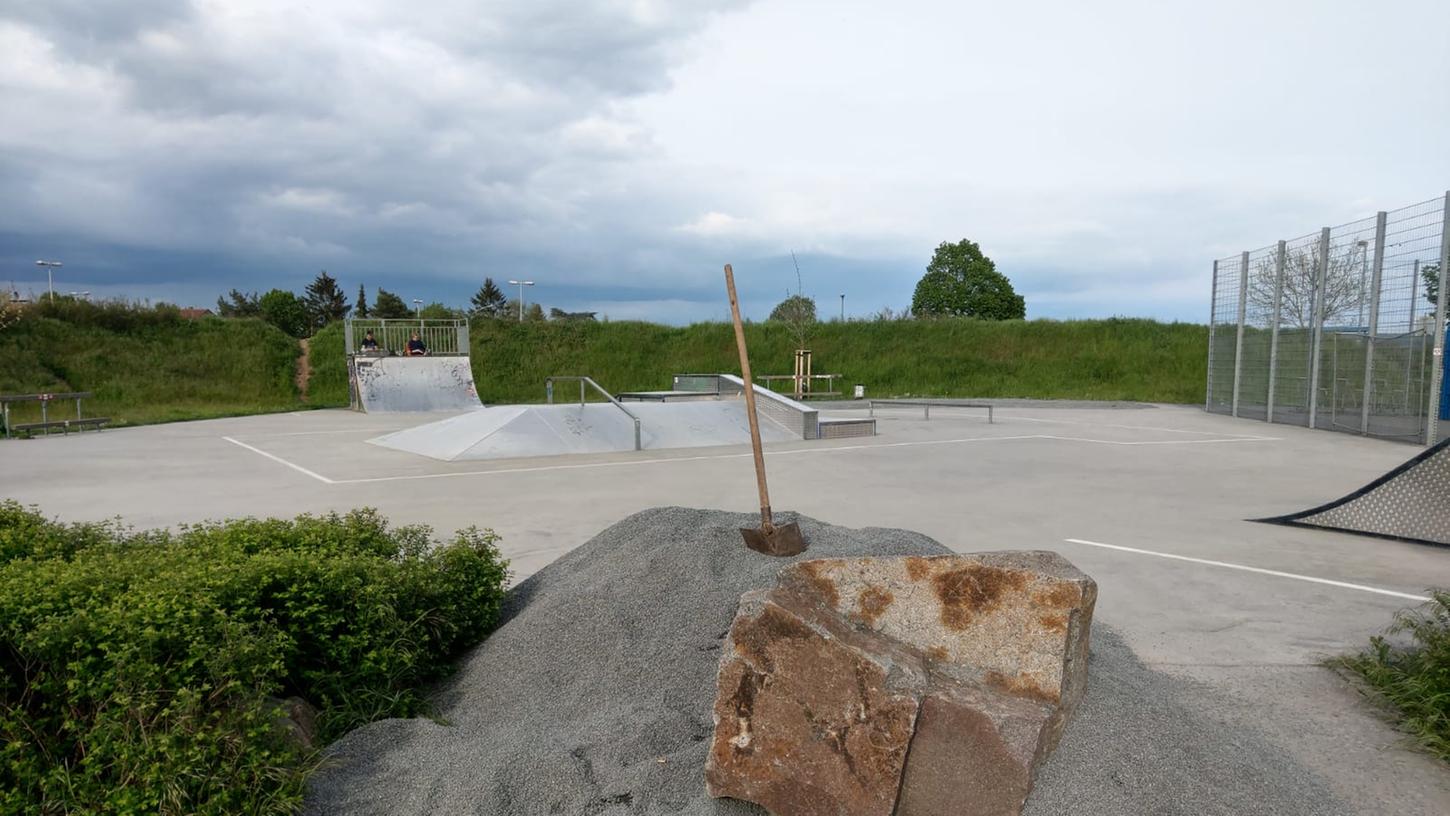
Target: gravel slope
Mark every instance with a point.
(595, 698)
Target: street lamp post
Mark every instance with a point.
(417, 309)
(843, 307)
(50, 267)
(521, 284)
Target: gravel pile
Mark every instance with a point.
(595, 698)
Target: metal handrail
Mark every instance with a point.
(927, 405)
(549, 394)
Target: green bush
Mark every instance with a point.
(1409, 668)
(141, 672)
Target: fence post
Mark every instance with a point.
(1274, 331)
(1376, 277)
(1437, 361)
(1212, 316)
(1316, 346)
(1239, 341)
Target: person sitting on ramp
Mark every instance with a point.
(416, 347)
(369, 343)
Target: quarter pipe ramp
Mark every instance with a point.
(1410, 503)
(404, 384)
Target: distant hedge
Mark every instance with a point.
(146, 672)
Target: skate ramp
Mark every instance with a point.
(1410, 503)
(514, 431)
(405, 384)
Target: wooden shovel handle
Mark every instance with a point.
(765, 521)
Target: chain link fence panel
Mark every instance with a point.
(1341, 329)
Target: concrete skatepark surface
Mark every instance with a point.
(512, 431)
(408, 384)
(1127, 495)
(596, 697)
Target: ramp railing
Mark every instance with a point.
(442, 338)
(583, 382)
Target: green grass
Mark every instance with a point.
(152, 366)
(156, 367)
(1113, 359)
(1409, 669)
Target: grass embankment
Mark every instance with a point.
(150, 365)
(1409, 669)
(147, 365)
(145, 672)
(1083, 359)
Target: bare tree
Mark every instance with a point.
(1344, 285)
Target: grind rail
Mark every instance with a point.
(587, 382)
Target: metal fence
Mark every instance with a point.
(447, 338)
(1337, 329)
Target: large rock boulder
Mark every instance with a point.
(901, 685)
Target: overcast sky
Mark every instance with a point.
(619, 153)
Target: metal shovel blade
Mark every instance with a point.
(782, 540)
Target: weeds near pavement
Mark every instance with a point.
(1412, 673)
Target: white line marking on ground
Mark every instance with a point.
(1311, 579)
(280, 460)
(320, 433)
(1133, 427)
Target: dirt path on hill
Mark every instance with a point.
(304, 368)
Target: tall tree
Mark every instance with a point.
(239, 304)
(389, 306)
(960, 281)
(361, 310)
(286, 311)
(437, 311)
(1344, 289)
(489, 300)
(1430, 273)
(533, 313)
(324, 300)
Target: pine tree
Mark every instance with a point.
(489, 300)
(239, 304)
(389, 306)
(325, 301)
(361, 310)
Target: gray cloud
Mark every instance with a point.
(623, 149)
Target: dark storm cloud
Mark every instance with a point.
(377, 136)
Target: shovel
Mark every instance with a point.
(769, 539)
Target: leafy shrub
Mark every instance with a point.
(140, 672)
(1409, 667)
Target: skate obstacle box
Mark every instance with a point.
(701, 410)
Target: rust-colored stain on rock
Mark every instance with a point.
(753, 640)
(1023, 685)
(1060, 596)
(973, 589)
(822, 585)
(917, 567)
(872, 601)
(1053, 623)
(938, 653)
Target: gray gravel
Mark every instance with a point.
(595, 698)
